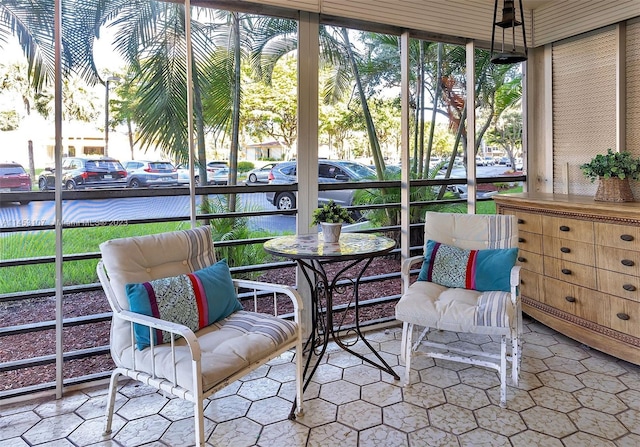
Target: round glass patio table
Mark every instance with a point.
(356, 251)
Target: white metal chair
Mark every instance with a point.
(453, 292)
(189, 364)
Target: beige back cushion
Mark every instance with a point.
(471, 231)
(145, 258)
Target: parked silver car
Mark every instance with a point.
(329, 171)
(146, 173)
(183, 175)
(260, 175)
(220, 177)
(462, 192)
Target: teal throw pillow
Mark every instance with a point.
(482, 270)
(195, 300)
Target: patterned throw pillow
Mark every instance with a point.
(195, 300)
(482, 270)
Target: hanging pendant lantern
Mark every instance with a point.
(508, 53)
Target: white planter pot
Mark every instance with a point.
(331, 231)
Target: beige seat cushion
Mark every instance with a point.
(458, 310)
(227, 346)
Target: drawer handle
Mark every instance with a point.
(521, 259)
(521, 239)
(566, 271)
(623, 316)
(629, 287)
(628, 262)
(565, 249)
(520, 221)
(571, 299)
(626, 237)
(564, 228)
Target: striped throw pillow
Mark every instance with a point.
(482, 270)
(195, 300)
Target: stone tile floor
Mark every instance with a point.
(569, 395)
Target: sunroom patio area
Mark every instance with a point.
(568, 395)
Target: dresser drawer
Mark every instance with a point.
(569, 250)
(531, 285)
(565, 228)
(620, 236)
(619, 284)
(529, 222)
(625, 316)
(530, 261)
(576, 300)
(530, 241)
(618, 260)
(572, 272)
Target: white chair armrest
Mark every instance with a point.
(289, 291)
(406, 270)
(515, 276)
(515, 282)
(408, 263)
(166, 326)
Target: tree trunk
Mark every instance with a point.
(235, 132)
(371, 130)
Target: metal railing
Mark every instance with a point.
(43, 326)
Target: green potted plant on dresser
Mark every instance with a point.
(330, 217)
(613, 171)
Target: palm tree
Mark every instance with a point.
(275, 38)
(32, 23)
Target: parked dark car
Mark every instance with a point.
(147, 173)
(329, 171)
(13, 177)
(85, 172)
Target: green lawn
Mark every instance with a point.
(87, 240)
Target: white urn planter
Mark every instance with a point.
(331, 231)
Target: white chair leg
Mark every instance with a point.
(403, 343)
(299, 378)
(111, 401)
(198, 409)
(515, 360)
(406, 338)
(503, 371)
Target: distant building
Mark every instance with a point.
(269, 150)
(78, 139)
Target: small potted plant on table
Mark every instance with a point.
(330, 217)
(613, 171)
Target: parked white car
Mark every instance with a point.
(183, 175)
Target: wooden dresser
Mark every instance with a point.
(580, 267)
